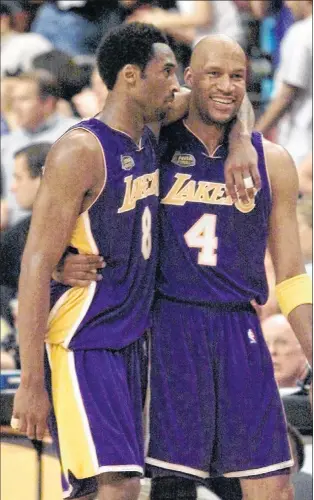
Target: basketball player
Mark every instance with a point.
(99, 195)
(218, 410)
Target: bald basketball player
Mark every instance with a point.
(215, 408)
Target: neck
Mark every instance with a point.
(122, 114)
(211, 134)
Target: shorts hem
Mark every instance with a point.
(176, 467)
(106, 468)
(259, 471)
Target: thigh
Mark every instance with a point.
(182, 409)
(251, 434)
(277, 487)
(96, 421)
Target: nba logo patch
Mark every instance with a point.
(127, 162)
(183, 159)
(251, 336)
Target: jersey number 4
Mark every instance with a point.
(202, 235)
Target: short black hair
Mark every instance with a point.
(127, 44)
(36, 157)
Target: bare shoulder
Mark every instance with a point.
(78, 153)
(281, 168)
(77, 142)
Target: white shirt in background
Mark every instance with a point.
(295, 68)
(226, 19)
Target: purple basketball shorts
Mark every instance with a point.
(96, 421)
(215, 408)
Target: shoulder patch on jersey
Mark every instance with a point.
(127, 162)
(183, 159)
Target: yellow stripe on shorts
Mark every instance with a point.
(78, 453)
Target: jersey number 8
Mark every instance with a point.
(146, 233)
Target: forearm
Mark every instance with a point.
(301, 321)
(276, 109)
(33, 313)
(244, 124)
(185, 35)
(181, 21)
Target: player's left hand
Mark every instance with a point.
(79, 270)
(242, 177)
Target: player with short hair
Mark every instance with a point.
(218, 411)
(99, 195)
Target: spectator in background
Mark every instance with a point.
(4, 211)
(35, 98)
(90, 101)
(28, 164)
(283, 18)
(291, 107)
(75, 27)
(203, 17)
(8, 116)
(18, 49)
(289, 361)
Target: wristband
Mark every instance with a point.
(294, 292)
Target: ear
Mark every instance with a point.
(130, 73)
(188, 76)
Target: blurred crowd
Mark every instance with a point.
(49, 82)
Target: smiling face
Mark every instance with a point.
(217, 79)
(158, 84)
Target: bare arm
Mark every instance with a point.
(169, 21)
(72, 169)
(277, 107)
(242, 158)
(259, 8)
(284, 243)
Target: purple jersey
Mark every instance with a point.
(211, 250)
(121, 226)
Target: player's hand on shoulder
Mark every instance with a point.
(79, 270)
(242, 176)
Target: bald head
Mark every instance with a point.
(213, 47)
(217, 78)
